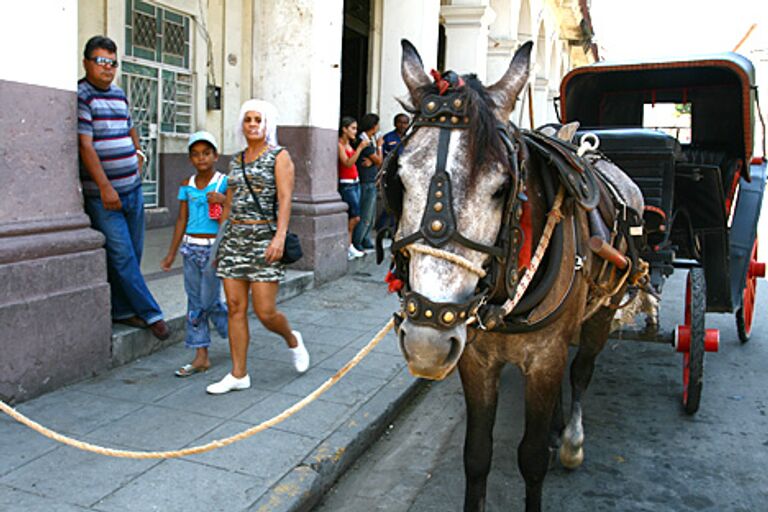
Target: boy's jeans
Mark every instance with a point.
(124, 231)
(203, 297)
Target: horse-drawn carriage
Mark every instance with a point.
(512, 245)
(683, 130)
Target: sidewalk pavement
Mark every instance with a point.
(142, 406)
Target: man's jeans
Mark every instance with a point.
(203, 297)
(360, 237)
(124, 231)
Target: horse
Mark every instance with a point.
(509, 246)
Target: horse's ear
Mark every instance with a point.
(412, 70)
(505, 91)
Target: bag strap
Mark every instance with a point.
(253, 194)
(219, 178)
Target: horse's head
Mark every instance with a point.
(459, 181)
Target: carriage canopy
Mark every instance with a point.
(716, 91)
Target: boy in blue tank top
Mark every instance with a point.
(200, 199)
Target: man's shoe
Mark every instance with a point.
(229, 383)
(160, 329)
(300, 354)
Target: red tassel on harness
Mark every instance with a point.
(443, 84)
(524, 259)
(395, 284)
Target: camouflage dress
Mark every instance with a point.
(242, 249)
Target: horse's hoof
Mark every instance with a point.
(571, 459)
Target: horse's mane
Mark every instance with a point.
(484, 144)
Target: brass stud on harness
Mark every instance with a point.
(431, 106)
(412, 307)
(438, 206)
(449, 317)
(454, 120)
(436, 225)
(428, 313)
(439, 194)
(442, 119)
(462, 315)
(457, 103)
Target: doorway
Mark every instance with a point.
(354, 58)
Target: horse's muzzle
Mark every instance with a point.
(431, 353)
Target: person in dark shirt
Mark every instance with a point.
(393, 138)
(368, 167)
(391, 141)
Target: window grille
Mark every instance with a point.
(177, 102)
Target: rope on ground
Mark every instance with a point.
(128, 454)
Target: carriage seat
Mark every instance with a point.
(727, 164)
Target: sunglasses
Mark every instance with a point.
(104, 61)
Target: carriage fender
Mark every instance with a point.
(743, 229)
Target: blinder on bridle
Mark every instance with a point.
(447, 111)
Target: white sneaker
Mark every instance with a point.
(353, 253)
(229, 383)
(300, 354)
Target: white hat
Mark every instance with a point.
(203, 136)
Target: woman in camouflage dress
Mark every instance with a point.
(249, 253)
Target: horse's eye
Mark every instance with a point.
(500, 192)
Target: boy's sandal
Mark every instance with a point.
(188, 370)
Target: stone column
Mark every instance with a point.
(297, 55)
(466, 34)
(419, 22)
(55, 324)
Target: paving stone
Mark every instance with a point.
(19, 445)
(76, 477)
(155, 428)
(317, 420)
(177, 485)
(194, 399)
(376, 364)
(76, 413)
(267, 455)
(14, 500)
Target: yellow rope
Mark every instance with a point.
(213, 444)
(448, 256)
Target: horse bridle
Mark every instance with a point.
(438, 224)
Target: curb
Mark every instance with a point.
(305, 485)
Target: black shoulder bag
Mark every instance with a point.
(292, 250)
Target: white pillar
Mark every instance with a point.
(297, 67)
(466, 34)
(419, 22)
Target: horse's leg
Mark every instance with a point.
(594, 334)
(480, 380)
(542, 386)
(556, 428)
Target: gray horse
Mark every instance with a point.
(493, 248)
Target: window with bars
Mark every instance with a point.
(160, 38)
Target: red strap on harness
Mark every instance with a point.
(524, 258)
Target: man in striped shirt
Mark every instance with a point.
(110, 171)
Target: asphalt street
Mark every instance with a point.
(642, 452)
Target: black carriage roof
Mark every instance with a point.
(722, 87)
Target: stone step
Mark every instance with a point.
(130, 343)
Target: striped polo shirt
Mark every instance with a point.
(104, 115)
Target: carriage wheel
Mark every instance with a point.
(744, 315)
(693, 358)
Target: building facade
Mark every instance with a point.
(188, 65)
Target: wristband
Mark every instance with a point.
(143, 155)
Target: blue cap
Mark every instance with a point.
(203, 136)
